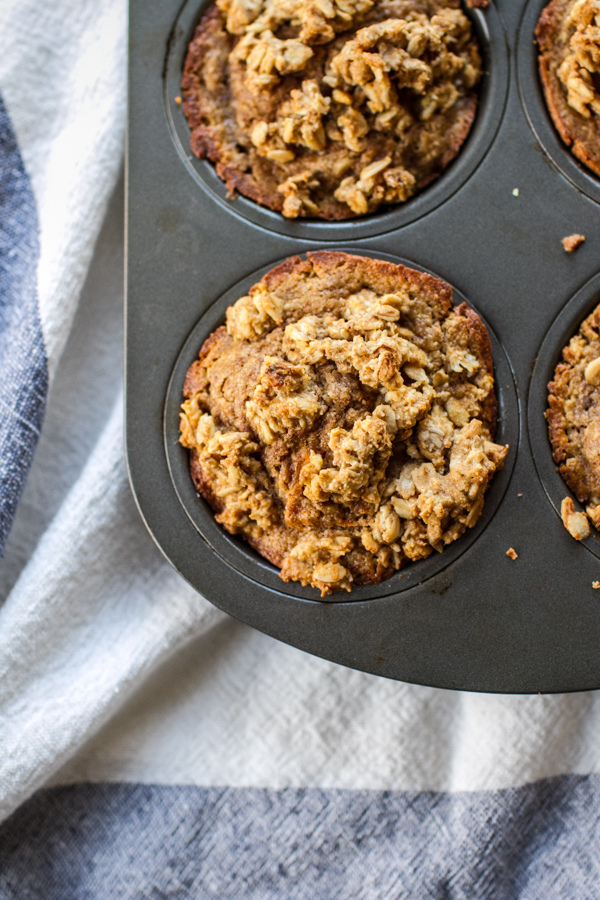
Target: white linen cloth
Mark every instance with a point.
(96, 684)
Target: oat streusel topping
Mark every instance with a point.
(583, 59)
(343, 419)
(331, 108)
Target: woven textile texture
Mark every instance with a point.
(23, 371)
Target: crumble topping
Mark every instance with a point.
(285, 398)
(234, 473)
(343, 421)
(318, 20)
(583, 59)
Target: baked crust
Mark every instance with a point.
(569, 63)
(574, 415)
(335, 117)
(343, 420)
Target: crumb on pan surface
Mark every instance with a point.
(572, 242)
(575, 522)
(330, 108)
(343, 420)
(574, 415)
(596, 585)
(512, 553)
(568, 35)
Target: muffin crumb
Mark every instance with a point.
(572, 242)
(575, 522)
(512, 553)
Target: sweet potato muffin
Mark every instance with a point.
(330, 108)
(568, 35)
(574, 415)
(342, 421)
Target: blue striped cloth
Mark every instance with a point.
(23, 368)
(124, 841)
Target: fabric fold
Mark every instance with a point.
(23, 370)
(95, 609)
(62, 118)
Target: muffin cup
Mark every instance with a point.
(490, 33)
(559, 334)
(237, 553)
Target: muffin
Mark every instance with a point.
(574, 415)
(568, 34)
(330, 108)
(343, 419)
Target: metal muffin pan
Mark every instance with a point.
(470, 618)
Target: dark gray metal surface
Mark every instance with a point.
(472, 619)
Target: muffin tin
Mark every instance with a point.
(470, 618)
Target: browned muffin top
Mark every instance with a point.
(568, 35)
(343, 420)
(330, 108)
(574, 415)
